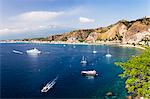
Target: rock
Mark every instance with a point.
(109, 94)
(129, 97)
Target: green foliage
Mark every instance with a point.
(137, 72)
(119, 37)
(81, 40)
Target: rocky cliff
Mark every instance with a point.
(122, 31)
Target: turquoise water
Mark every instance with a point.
(23, 76)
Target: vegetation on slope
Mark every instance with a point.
(137, 72)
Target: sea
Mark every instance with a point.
(24, 75)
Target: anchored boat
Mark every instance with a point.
(108, 54)
(33, 51)
(89, 73)
(83, 61)
(94, 51)
(17, 52)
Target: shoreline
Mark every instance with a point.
(78, 43)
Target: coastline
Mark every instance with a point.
(77, 43)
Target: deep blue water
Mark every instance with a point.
(23, 76)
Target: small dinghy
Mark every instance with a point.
(89, 73)
(17, 52)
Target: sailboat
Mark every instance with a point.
(108, 54)
(94, 51)
(83, 61)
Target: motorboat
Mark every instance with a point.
(17, 52)
(108, 54)
(83, 61)
(49, 85)
(33, 51)
(89, 73)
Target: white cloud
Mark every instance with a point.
(30, 21)
(37, 16)
(86, 20)
(15, 30)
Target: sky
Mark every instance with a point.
(40, 18)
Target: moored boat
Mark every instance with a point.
(17, 52)
(94, 52)
(108, 54)
(89, 73)
(83, 61)
(33, 51)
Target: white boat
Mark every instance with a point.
(49, 85)
(94, 51)
(17, 52)
(83, 61)
(33, 51)
(89, 73)
(108, 54)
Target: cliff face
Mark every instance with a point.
(122, 31)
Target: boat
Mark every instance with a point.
(83, 61)
(33, 51)
(94, 51)
(108, 54)
(17, 52)
(89, 73)
(49, 85)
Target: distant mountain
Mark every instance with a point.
(122, 31)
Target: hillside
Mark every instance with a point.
(122, 31)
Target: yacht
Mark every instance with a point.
(17, 52)
(89, 73)
(108, 54)
(83, 61)
(49, 85)
(33, 51)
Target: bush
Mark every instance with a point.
(137, 72)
